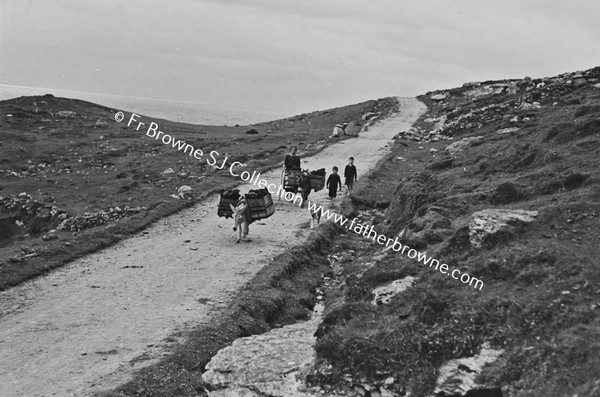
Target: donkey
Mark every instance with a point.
(240, 219)
(304, 185)
(315, 215)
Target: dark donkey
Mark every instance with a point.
(304, 186)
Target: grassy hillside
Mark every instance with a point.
(533, 145)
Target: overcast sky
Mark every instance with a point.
(282, 55)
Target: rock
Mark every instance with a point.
(273, 363)
(49, 237)
(439, 97)
(66, 113)
(251, 131)
(168, 171)
(457, 377)
(457, 147)
(507, 130)
(383, 295)
(433, 150)
(597, 85)
(579, 82)
(369, 116)
(100, 124)
(185, 191)
(491, 225)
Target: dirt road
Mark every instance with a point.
(76, 330)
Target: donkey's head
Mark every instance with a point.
(239, 219)
(238, 214)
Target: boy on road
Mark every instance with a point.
(350, 175)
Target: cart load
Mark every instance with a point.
(291, 180)
(317, 179)
(259, 201)
(260, 204)
(228, 197)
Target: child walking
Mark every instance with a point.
(350, 175)
(333, 182)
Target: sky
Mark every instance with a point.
(289, 56)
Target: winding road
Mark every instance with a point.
(87, 326)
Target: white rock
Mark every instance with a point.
(383, 295)
(272, 363)
(168, 171)
(489, 222)
(507, 130)
(185, 191)
(457, 377)
(459, 146)
(439, 97)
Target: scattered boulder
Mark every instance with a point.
(507, 130)
(100, 124)
(168, 171)
(457, 147)
(185, 192)
(370, 116)
(271, 364)
(66, 113)
(492, 225)
(251, 131)
(88, 220)
(383, 295)
(439, 97)
(457, 377)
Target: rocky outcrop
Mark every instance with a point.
(492, 225)
(384, 295)
(458, 377)
(521, 95)
(271, 364)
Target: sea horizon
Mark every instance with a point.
(173, 110)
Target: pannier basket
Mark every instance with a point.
(228, 197)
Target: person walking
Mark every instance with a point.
(350, 175)
(291, 161)
(333, 182)
(291, 171)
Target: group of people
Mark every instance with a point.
(292, 162)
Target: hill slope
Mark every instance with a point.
(503, 146)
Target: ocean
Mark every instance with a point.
(187, 112)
